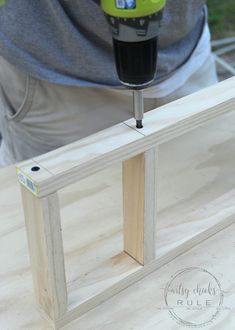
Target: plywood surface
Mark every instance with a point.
(197, 180)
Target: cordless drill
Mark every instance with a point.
(135, 26)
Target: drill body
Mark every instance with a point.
(135, 26)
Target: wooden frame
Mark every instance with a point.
(41, 178)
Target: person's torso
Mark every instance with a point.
(69, 42)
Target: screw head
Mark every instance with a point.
(35, 168)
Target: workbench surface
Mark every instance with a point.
(196, 188)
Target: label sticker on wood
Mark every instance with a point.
(27, 182)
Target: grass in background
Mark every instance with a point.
(222, 18)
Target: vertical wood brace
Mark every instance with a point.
(139, 205)
(42, 217)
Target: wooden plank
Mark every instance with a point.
(140, 273)
(139, 199)
(142, 306)
(133, 207)
(196, 178)
(80, 157)
(118, 143)
(110, 272)
(46, 252)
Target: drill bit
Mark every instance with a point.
(138, 105)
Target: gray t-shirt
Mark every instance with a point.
(68, 41)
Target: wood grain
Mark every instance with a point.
(119, 143)
(133, 200)
(196, 189)
(46, 252)
(140, 207)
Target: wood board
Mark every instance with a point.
(80, 159)
(205, 157)
(123, 143)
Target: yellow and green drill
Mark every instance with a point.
(135, 26)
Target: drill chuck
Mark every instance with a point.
(136, 63)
